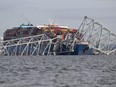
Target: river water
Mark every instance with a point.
(58, 71)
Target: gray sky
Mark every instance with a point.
(63, 12)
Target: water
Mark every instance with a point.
(58, 71)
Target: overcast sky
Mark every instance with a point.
(63, 12)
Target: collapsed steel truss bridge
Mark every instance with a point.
(99, 38)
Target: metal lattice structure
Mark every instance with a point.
(99, 38)
(26, 46)
(33, 45)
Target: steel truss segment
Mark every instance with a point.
(98, 37)
(21, 46)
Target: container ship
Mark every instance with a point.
(61, 37)
(52, 39)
